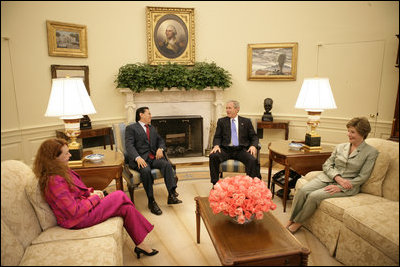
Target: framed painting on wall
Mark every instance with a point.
(63, 71)
(170, 35)
(272, 61)
(66, 39)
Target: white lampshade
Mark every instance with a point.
(69, 99)
(315, 95)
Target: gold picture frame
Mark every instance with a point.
(277, 61)
(175, 24)
(66, 39)
(72, 71)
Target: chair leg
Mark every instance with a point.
(131, 193)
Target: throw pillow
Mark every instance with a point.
(43, 211)
(373, 185)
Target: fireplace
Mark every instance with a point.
(206, 104)
(183, 135)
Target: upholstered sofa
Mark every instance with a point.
(29, 231)
(363, 229)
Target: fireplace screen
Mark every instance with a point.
(183, 135)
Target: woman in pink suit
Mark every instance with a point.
(76, 206)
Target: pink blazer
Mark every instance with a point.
(70, 205)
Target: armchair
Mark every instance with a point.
(131, 176)
(232, 165)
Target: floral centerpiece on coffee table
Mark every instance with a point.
(241, 197)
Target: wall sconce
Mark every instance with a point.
(69, 100)
(315, 96)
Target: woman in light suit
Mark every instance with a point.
(349, 166)
(76, 206)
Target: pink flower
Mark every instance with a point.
(241, 196)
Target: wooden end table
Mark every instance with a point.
(99, 175)
(98, 130)
(260, 242)
(278, 124)
(299, 160)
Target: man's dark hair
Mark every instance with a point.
(140, 110)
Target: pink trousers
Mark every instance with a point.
(118, 204)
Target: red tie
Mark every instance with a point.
(151, 156)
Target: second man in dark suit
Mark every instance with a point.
(234, 138)
(145, 152)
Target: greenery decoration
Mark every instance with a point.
(141, 76)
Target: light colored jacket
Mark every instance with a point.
(356, 167)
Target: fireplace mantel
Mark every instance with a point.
(207, 103)
(173, 96)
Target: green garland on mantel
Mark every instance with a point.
(141, 76)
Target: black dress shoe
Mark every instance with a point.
(154, 208)
(138, 251)
(173, 200)
(176, 194)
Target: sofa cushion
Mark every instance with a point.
(111, 227)
(16, 210)
(337, 206)
(374, 183)
(11, 249)
(43, 211)
(85, 252)
(391, 180)
(380, 228)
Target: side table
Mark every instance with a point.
(99, 175)
(299, 160)
(261, 125)
(98, 130)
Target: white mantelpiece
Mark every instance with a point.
(174, 102)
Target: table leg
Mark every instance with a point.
(197, 221)
(111, 141)
(269, 170)
(119, 185)
(286, 132)
(286, 187)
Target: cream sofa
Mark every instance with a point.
(363, 229)
(29, 231)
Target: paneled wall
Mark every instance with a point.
(351, 42)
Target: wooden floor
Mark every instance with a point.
(174, 234)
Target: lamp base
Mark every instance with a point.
(76, 154)
(312, 142)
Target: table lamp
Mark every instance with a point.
(69, 100)
(315, 96)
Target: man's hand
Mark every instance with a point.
(332, 189)
(141, 163)
(343, 182)
(216, 149)
(159, 153)
(253, 150)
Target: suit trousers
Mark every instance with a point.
(147, 179)
(238, 153)
(118, 204)
(308, 198)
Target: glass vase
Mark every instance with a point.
(246, 221)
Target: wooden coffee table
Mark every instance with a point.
(261, 242)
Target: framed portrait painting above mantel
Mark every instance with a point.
(71, 71)
(275, 61)
(170, 35)
(66, 39)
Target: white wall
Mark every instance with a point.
(117, 35)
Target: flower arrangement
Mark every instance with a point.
(242, 197)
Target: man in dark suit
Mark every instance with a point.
(145, 147)
(234, 138)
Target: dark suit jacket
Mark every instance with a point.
(247, 135)
(136, 142)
